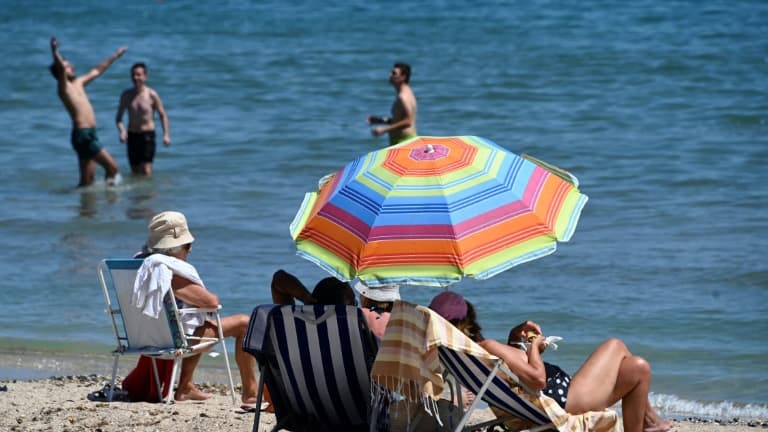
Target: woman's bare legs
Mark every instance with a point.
(232, 326)
(187, 390)
(612, 373)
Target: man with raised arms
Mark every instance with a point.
(402, 124)
(71, 90)
(142, 102)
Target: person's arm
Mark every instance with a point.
(158, 104)
(193, 294)
(403, 123)
(287, 287)
(58, 62)
(528, 366)
(101, 67)
(372, 119)
(122, 105)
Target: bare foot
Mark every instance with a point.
(654, 423)
(659, 427)
(249, 400)
(194, 395)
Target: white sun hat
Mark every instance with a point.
(386, 293)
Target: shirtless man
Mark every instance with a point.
(141, 101)
(402, 124)
(71, 91)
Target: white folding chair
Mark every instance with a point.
(139, 334)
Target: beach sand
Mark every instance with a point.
(61, 404)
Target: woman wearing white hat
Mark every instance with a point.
(168, 234)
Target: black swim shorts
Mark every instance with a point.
(141, 147)
(85, 142)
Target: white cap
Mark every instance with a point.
(386, 293)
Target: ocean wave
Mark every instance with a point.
(725, 410)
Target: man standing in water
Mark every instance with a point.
(142, 102)
(402, 124)
(71, 90)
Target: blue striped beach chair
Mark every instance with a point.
(315, 362)
(484, 379)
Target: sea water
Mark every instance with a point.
(658, 107)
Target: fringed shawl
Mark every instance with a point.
(407, 361)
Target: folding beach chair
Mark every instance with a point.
(139, 334)
(316, 362)
(420, 349)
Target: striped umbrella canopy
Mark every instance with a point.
(432, 210)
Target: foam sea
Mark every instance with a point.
(660, 108)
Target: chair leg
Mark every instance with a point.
(157, 380)
(175, 372)
(257, 417)
(226, 359)
(114, 375)
(479, 396)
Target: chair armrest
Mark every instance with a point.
(196, 309)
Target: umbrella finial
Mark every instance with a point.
(429, 149)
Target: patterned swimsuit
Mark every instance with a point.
(557, 383)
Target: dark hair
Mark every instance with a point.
(469, 325)
(139, 65)
(331, 291)
(405, 68)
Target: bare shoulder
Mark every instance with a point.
(153, 93)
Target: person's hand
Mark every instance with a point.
(377, 131)
(539, 343)
(520, 332)
(167, 140)
(123, 137)
(120, 51)
(54, 43)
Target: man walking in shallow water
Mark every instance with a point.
(142, 102)
(71, 90)
(402, 124)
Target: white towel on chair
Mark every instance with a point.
(153, 280)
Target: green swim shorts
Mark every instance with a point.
(401, 139)
(85, 142)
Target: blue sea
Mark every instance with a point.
(660, 108)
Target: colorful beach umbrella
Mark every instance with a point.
(432, 210)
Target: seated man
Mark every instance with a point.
(170, 236)
(287, 288)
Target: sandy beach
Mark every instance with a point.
(61, 404)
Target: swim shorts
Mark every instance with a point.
(85, 142)
(401, 139)
(141, 147)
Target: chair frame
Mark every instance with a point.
(179, 347)
(449, 359)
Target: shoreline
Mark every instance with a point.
(61, 403)
(19, 363)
